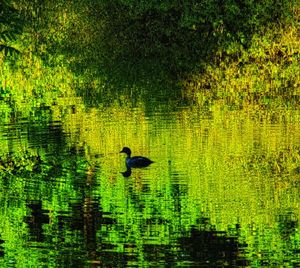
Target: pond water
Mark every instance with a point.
(223, 189)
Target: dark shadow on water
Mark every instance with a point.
(38, 217)
(1, 248)
(212, 249)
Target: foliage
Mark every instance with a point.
(123, 43)
(142, 49)
(10, 27)
(265, 74)
(181, 34)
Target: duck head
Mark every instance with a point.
(126, 150)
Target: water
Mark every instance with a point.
(223, 191)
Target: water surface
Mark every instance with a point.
(223, 191)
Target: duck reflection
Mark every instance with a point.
(126, 173)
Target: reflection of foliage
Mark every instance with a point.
(30, 165)
(287, 225)
(282, 162)
(5, 93)
(19, 164)
(141, 219)
(277, 246)
(210, 247)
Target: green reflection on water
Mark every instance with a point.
(214, 170)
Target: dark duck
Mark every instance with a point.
(135, 161)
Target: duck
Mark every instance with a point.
(135, 161)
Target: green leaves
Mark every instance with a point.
(8, 51)
(10, 27)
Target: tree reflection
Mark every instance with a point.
(36, 221)
(212, 248)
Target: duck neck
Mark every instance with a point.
(127, 161)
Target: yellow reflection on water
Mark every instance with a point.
(225, 155)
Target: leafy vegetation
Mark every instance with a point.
(209, 50)
(265, 74)
(10, 27)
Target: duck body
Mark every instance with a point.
(135, 161)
